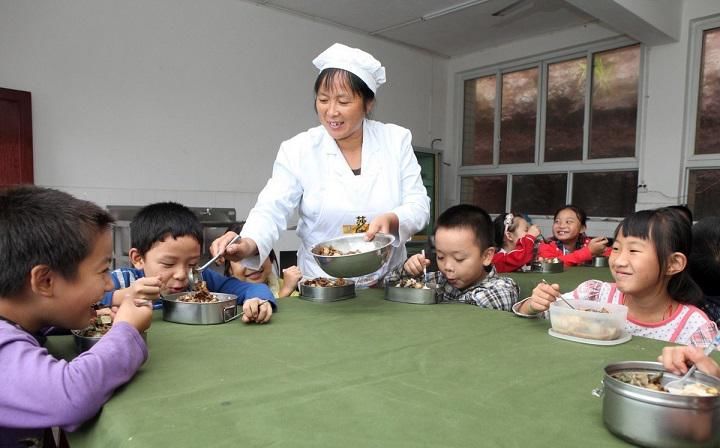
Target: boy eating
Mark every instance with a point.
(166, 239)
(56, 257)
(464, 247)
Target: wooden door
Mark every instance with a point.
(16, 153)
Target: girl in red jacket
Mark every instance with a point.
(515, 242)
(569, 243)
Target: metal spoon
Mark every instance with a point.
(677, 386)
(195, 273)
(561, 297)
(425, 277)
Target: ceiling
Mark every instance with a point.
(442, 27)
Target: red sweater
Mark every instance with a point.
(578, 256)
(515, 259)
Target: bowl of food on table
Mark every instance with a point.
(323, 289)
(200, 307)
(411, 290)
(547, 265)
(87, 337)
(351, 256)
(638, 407)
(588, 321)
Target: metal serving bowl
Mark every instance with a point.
(658, 419)
(373, 254)
(181, 312)
(328, 293)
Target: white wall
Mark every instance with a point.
(661, 134)
(137, 101)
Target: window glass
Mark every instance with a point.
(538, 194)
(518, 116)
(612, 193)
(703, 193)
(478, 121)
(487, 192)
(707, 134)
(565, 110)
(613, 115)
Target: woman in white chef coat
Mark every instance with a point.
(347, 167)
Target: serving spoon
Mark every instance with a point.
(195, 273)
(677, 386)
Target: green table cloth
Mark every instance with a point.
(568, 280)
(362, 372)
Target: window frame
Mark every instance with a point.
(542, 61)
(691, 160)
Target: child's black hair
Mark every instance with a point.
(327, 77)
(470, 217)
(158, 221)
(41, 226)
(685, 210)
(669, 230)
(237, 228)
(704, 259)
(499, 227)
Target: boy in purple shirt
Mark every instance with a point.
(56, 252)
(166, 239)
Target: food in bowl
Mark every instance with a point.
(100, 325)
(322, 282)
(653, 381)
(548, 260)
(202, 295)
(329, 251)
(411, 283)
(589, 319)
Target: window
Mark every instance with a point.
(703, 162)
(555, 130)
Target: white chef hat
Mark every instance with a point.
(361, 64)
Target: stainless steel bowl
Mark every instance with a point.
(327, 294)
(373, 254)
(547, 268)
(600, 262)
(418, 296)
(180, 312)
(657, 419)
(85, 343)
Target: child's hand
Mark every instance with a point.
(291, 278)
(415, 265)
(534, 230)
(542, 296)
(139, 316)
(676, 360)
(597, 245)
(145, 289)
(256, 310)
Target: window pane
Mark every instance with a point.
(608, 194)
(519, 114)
(565, 112)
(487, 192)
(707, 135)
(478, 119)
(703, 191)
(614, 103)
(538, 194)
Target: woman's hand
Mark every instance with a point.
(291, 278)
(242, 248)
(542, 296)
(256, 310)
(677, 359)
(415, 265)
(597, 245)
(385, 223)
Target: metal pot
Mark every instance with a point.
(85, 343)
(418, 296)
(327, 294)
(219, 312)
(600, 262)
(658, 419)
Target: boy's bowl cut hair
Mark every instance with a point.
(157, 221)
(471, 217)
(669, 230)
(42, 226)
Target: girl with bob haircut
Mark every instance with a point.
(648, 262)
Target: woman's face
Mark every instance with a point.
(340, 110)
(567, 227)
(240, 272)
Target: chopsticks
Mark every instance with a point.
(561, 297)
